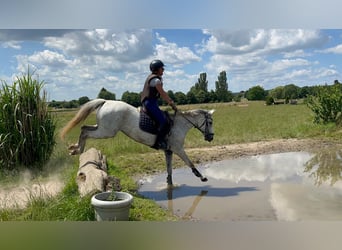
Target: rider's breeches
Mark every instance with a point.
(156, 114)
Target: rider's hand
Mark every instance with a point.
(173, 106)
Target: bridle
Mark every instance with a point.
(206, 133)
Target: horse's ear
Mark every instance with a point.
(211, 111)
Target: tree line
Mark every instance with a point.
(199, 93)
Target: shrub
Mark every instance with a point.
(26, 126)
(269, 100)
(326, 104)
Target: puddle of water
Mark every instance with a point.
(264, 187)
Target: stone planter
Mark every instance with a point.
(116, 210)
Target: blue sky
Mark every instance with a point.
(267, 43)
(75, 63)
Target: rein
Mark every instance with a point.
(205, 122)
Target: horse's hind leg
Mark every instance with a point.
(78, 148)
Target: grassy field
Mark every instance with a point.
(233, 123)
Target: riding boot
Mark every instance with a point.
(161, 142)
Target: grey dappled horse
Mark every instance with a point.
(115, 116)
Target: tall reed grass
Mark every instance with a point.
(26, 126)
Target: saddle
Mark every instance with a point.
(147, 124)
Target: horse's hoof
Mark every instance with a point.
(73, 147)
(74, 152)
(204, 179)
(196, 173)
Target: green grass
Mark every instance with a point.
(126, 158)
(259, 122)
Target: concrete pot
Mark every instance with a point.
(117, 210)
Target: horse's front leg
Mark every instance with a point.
(168, 159)
(181, 153)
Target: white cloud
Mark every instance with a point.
(288, 63)
(84, 61)
(49, 58)
(11, 44)
(123, 46)
(179, 80)
(262, 41)
(335, 50)
(324, 73)
(173, 54)
(266, 57)
(296, 53)
(235, 42)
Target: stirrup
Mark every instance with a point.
(160, 145)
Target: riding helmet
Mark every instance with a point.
(155, 65)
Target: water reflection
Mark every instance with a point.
(183, 191)
(286, 186)
(325, 166)
(261, 168)
(191, 210)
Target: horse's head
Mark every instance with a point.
(208, 125)
(203, 122)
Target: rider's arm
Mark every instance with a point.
(165, 96)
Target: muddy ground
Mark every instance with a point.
(216, 153)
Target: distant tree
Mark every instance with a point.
(131, 98)
(55, 104)
(180, 98)
(269, 100)
(202, 96)
(212, 96)
(305, 91)
(221, 90)
(199, 92)
(82, 100)
(277, 92)
(171, 95)
(238, 96)
(105, 94)
(70, 104)
(256, 93)
(291, 91)
(202, 83)
(191, 98)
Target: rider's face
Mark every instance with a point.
(160, 71)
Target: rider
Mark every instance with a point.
(153, 89)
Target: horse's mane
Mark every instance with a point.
(194, 112)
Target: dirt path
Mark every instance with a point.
(231, 151)
(17, 195)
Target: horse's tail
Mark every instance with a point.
(82, 114)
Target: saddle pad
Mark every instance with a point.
(147, 124)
